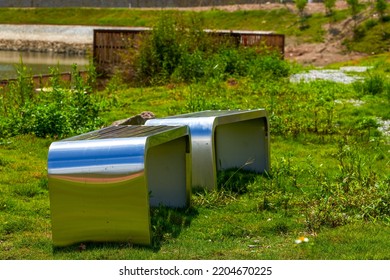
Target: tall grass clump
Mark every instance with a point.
(352, 190)
(355, 192)
(374, 84)
(56, 111)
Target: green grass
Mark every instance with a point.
(261, 222)
(329, 178)
(231, 227)
(78, 16)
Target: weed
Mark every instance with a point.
(356, 193)
(235, 180)
(213, 198)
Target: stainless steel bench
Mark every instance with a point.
(222, 140)
(102, 183)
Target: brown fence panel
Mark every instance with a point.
(108, 44)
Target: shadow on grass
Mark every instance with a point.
(166, 223)
(234, 180)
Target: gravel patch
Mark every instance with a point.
(384, 127)
(359, 69)
(354, 102)
(338, 76)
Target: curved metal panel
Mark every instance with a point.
(202, 138)
(99, 184)
(224, 139)
(95, 188)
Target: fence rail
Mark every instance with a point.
(43, 80)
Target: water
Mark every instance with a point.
(38, 63)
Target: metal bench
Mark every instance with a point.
(222, 140)
(102, 183)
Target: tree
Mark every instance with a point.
(380, 7)
(329, 6)
(354, 7)
(301, 5)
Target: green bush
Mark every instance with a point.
(179, 50)
(162, 51)
(374, 84)
(380, 7)
(329, 6)
(57, 111)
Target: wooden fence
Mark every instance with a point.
(40, 81)
(108, 43)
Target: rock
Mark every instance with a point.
(43, 46)
(139, 119)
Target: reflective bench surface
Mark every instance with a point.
(102, 183)
(224, 139)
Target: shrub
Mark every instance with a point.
(380, 7)
(301, 5)
(374, 84)
(57, 111)
(272, 65)
(162, 51)
(329, 5)
(179, 50)
(354, 7)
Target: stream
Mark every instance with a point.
(38, 63)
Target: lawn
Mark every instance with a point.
(329, 182)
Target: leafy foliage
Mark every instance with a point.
(380, 7)
(55, 111)
(329, 6)
(179, 50)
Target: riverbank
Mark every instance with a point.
(46, 38)
(67, 39)
(44, 46)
